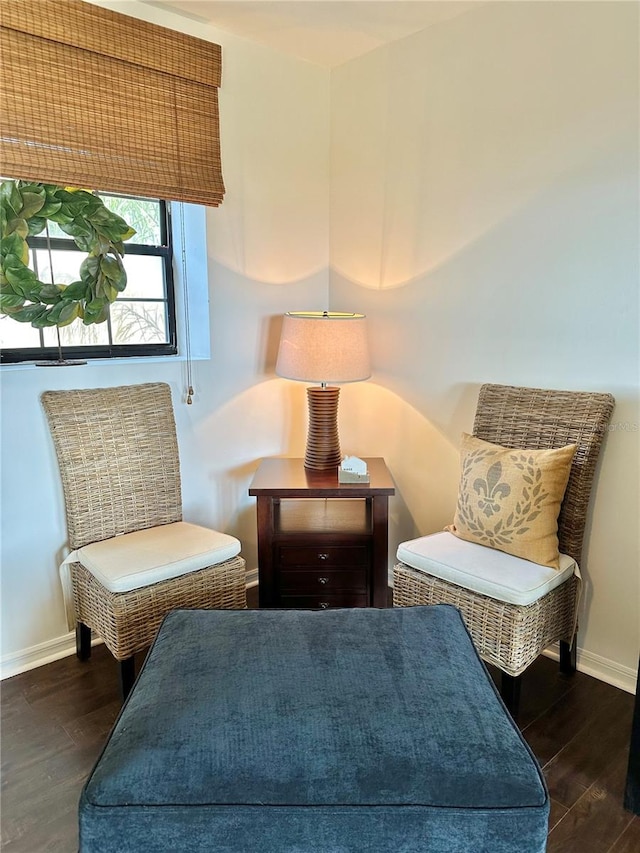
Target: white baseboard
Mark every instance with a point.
(591, 664)
(40, 654)
(603, 669)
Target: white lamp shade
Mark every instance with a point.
(324, 347)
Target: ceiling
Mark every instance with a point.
(326, 32)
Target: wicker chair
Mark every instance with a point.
(507, 635)
(118, 456)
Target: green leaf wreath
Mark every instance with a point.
(25, 209)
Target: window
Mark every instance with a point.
(141, 322)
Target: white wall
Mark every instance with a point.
(484, 214)
(268, 253)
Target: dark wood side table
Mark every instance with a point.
(321, 543)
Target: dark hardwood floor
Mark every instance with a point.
(55, 720)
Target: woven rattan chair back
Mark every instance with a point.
(533, 418)
(118, 457)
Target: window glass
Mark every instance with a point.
(141, 214)
(66, 266)
(133, 322)
(77, 335)
(144, 278)
(142, 319)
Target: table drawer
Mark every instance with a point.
(325, 602)
(320, 581)
(325, 556)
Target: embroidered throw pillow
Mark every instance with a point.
(510, 499)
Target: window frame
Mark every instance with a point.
(19, 355)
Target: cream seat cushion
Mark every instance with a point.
(484, 570)
(145, 557)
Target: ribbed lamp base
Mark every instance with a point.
(323, 443)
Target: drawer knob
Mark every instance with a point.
(324, 605)
(323, 556)
(323, 580)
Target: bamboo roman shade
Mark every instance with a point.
(96, 99)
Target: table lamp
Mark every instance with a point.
(324, 347)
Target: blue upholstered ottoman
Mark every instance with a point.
(314, 732)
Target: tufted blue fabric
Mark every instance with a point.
(316, 732)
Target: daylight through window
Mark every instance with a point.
(142, 319)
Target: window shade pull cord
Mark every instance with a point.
(185, 294)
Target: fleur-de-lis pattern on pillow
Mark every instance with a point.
(510, 499)
(492, 491)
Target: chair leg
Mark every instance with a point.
(510, 692)
(127, 671)
(83, 641)
(568, 655)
